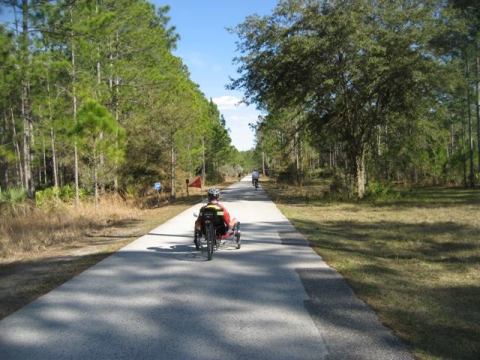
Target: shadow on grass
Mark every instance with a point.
(106, 237)
(396, 240)
(119, 224)
(435, 197)
(187, 200)
(393, 261)
(429, 197)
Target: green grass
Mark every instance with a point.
(415, 260)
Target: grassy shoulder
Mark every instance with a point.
(415, 260)
(41, 249)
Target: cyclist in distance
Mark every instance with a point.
(255, 176)
(213, 202)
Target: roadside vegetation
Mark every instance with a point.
(42, 246)
(42, 250)
(371, 136)
(371, 124)
(415, 258)
(93, 99)
(372, 91)
(94, 109)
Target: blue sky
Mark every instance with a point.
(207, 48)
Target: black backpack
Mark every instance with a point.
(214, 213)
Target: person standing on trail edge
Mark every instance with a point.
(213, 203)
(255, 176)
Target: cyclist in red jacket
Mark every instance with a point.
(213, 197)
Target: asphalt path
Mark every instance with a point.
(159, 298)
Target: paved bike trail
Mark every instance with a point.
(158, 298)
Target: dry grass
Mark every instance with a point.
(69, 242)
(415, 260)
(42, 248)
(25, 275)
(30, 230)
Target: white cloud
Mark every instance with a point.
(238, 116)
(228, 102)
(243, 118)
(238, 121)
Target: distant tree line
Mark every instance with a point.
(374, 90)
(91, 96)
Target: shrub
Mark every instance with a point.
(47, 197)
(13, 196)
(215, 178)
(66, 193)
(50, 197)
(378, 190)
(14, 201)
(230, 171)
(288, 175)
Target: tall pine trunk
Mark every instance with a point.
(95, 173)
(74, 104)
(471, 178)
(360, 173)
(101, 184)
(477, 99)
(452, 138)
(114, 84)
(52, 133)
(5, 162)
(54, 159)
(44, 162)
(25, 103)
(101, 156)
(17, 152)
(27, 180)
(297, 145)
(172, 169)
(464, 151)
